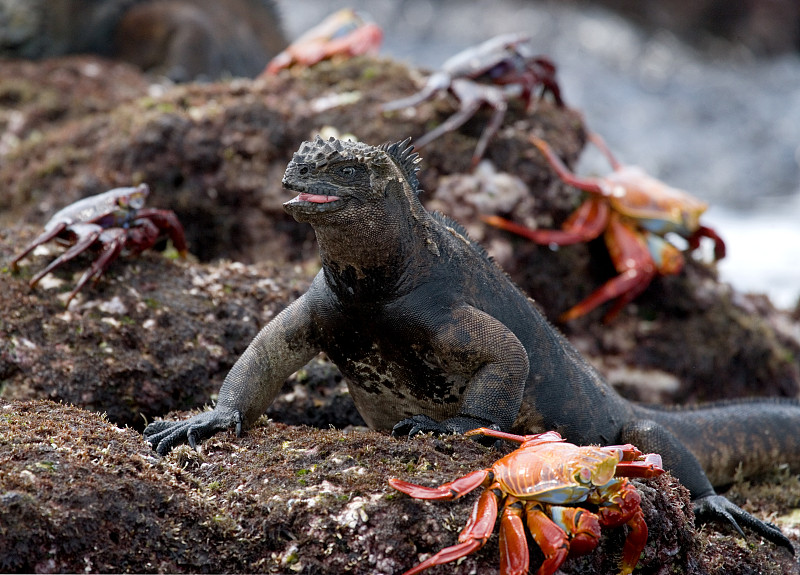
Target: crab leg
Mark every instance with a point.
(546, 437)
(550, 538)
(571, 530)
(468, 109)
(448, 491)
(636, 270)
(436, 83)
(166, 221)
(568, 177)
(623, 507)
(473, 93)
(547, 76)
(42, 238)
(496, 433)
(474, 535)
(142, 235)
(601, 145)
(514, 556)
(706, 232)
(582, 528)
(586, 223)
(447, 555)
(634, 544)
(87, 234)
(114, 241)
(651, 466)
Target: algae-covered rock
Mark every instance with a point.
(80, 494)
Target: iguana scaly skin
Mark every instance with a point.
(433, 336)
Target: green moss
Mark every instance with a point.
(49, 466)
(152, 303)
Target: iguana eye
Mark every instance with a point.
(347, 170)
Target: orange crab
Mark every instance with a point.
(634, 211)
(344, 33)
(541, 485)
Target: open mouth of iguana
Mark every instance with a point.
(308, 202)
(315, 198)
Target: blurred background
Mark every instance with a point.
(703, 95)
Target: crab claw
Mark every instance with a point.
(649, 466)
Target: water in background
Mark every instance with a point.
(725, 127)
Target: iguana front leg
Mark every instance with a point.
(474, 342)
(282, 347)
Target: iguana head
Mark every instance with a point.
(344, 181)
(362, 203)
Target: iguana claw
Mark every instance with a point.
(417, 424)
(164, 435)
(458, 425)
(719, 507)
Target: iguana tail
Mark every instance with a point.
(738, 438)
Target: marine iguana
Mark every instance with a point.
(434, 337)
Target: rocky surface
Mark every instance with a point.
(157, 334)
(78, 493)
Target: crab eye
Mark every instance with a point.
(135, 201)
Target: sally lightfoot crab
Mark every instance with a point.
(109, 223)
(492, 73)
(344, 34)
(634, 211)
(542, 486)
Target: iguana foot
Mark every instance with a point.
(164, 435)
(720, 508)
(458, 425)
(417, 424)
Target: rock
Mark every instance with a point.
(152, 336)
(80, 494)
(179, 39)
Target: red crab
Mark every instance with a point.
(108, 222)
(345, 33)
(492, 73)
(634, 211)
(542, 486)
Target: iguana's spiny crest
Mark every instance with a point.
(319, 153)
(408, 160)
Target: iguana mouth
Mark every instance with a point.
(308, 203)
(316, 198)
